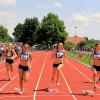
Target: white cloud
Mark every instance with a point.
(80, 17)
(7, 2)
(97, 15)
(57, 4)
(87, 23)
(40, 6)
(8, 19)
(7, 14)
(85, 18)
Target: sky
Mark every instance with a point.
(83, 14)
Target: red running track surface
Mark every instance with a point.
(74, 77)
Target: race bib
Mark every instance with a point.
(9, 54)
(59, 54)
(24, 57)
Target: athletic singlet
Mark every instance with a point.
(9, 54)
(96, 55)
(25, 56)
(59, 54)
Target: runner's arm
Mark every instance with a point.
(14, 54)
(90, 58)
(30, 60)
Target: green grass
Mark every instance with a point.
(83, 59)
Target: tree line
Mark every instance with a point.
(89, 43)
(48, 31)
(4, 37)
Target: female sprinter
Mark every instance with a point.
(57, 56)
(96, 64)
(10, 54)
(24, 66)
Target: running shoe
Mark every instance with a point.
(57, 83)
(19, 91)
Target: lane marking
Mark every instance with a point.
(14, 78)
(8, 82)
(80, 62)
(81, 73)
(68, 85)
(34, 98)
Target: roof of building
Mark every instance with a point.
(75, 39)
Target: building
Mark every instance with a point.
(76, 39)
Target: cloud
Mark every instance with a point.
(88, 24)
(7, 2)
(5, 14)
(57, 4)
(9, 20)
(40, 6)
(96, 17)
(83, 18)
(80, 17)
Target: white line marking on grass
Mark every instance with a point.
(34, 98)
(67, 85)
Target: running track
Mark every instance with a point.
(74, 78)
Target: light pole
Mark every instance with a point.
(75, 33)
(0, 37)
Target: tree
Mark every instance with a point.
(18, 32)
(52, 29)
(4, 37)
(87, 44)
(49, 31)
(27, 32)
(91, 43)
(69, 45)
(81, 44)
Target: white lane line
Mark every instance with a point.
(81, 73)
(30, 91)
(34, 98)
(54, 95)
(17, 63)
(67, 85)
(81, 62)
(8, 83)
(14, 77)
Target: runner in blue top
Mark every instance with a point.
(24, 66)
(96, 64)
